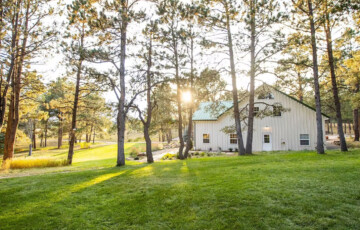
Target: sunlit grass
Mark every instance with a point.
(283, 190)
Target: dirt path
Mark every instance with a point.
(158, 154)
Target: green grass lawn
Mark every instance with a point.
(265, 191)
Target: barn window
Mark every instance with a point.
(304, 139)
(233, 138)
(266, 138)
(277, 111)
(206, 138)
(264, 95)
(256, 111)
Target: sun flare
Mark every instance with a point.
(186, 96)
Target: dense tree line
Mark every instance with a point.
(154, 54)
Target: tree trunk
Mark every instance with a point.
(149, 108)
(121, 117)
(328, 127)
(234, 85)
(91, 131)
(356, 124)
(42, 140)
(46, 130)
(60, 131)
(30, 150)
(11, 70)
(320, 138)
(13, 115)
(189, 131)
(331, 128)
(34, 135)
(249, 140)
(356, 116)
(335, 92)
(149, 155)
(301, 90)
(178, 98)
(94, 137)
(75, 107)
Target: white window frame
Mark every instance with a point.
(233, 137)
(305, 139)
(208, 138)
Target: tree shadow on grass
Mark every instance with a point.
(33, 197)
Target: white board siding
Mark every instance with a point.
(284, 129)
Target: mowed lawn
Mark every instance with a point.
(300, 190)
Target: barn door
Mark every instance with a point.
(267, 142)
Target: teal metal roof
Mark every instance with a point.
(211, 111)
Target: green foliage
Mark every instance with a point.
(85, 145)
(169, 156)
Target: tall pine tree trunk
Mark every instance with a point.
(149, 108)
(94, 136)
(250, 133)
(121, 117)
(46, 130)
(356, 124)
(60, 131)
(13, 115)
(356, 116)
(178, 97)
(189, 131)
(149, 155)
(327, 26)
(240, 140)
(320, 136)
(34, 135)
(76, 100)
(13, 55)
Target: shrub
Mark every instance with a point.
(134, 151)
(138, 139)
(157, 146)
(22, 163)
(196, 153)
(85, 145)
(202, 154)
(168, 156)
(230, 149)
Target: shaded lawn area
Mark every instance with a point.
(279, 191)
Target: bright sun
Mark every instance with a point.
(186, 96)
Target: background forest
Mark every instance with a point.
(133, 70)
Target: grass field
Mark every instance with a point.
(300, 190)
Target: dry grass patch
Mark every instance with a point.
(22, 163)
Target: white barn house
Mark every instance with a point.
(293, 127)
